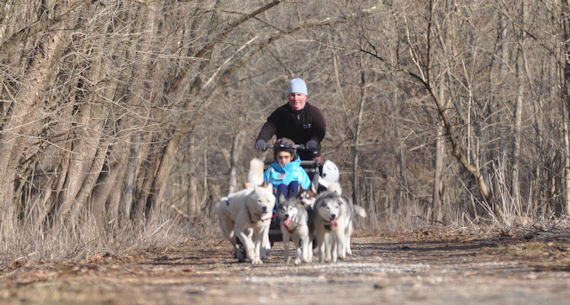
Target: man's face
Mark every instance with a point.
(297, 100)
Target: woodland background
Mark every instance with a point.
(123, 122)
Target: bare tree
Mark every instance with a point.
(565, 11)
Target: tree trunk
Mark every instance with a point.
(515, 182)
(106, 194)
(437, 204)
(401, 152)
(358, 128)
(130, 176)
(234, 157)
(88, 182)
(566, 93)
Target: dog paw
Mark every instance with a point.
(297, 261)
(240, 256)
(256, 261)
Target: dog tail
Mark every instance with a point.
(360, 211)
(255, 174)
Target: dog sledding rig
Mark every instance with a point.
(319, 220)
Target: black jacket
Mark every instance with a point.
(300, 126)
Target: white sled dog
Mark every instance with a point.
(294, 219)
(333, 217)
(246, 215)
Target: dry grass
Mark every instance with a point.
(88, 239)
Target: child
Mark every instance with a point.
(286, 173)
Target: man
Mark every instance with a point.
(297, 120)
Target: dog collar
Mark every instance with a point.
(251, 217)
(269, 218)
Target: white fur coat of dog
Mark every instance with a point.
(246, 215)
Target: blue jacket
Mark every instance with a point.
(277, 174)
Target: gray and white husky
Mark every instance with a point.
(294, 219)
(333, 217)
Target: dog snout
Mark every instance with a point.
(333, 216)
(264, 209)
(286, 216)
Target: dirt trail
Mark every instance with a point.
(415, 268)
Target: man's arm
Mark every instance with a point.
(267, 131)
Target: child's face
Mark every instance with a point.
(283, 157)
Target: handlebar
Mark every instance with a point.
(297, 146)
(304, 163)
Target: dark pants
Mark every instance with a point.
(287, 190)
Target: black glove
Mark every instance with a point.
(261, 145)
(312, 145)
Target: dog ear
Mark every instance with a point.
(263, 184)
(282, 198)
(245, 185)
